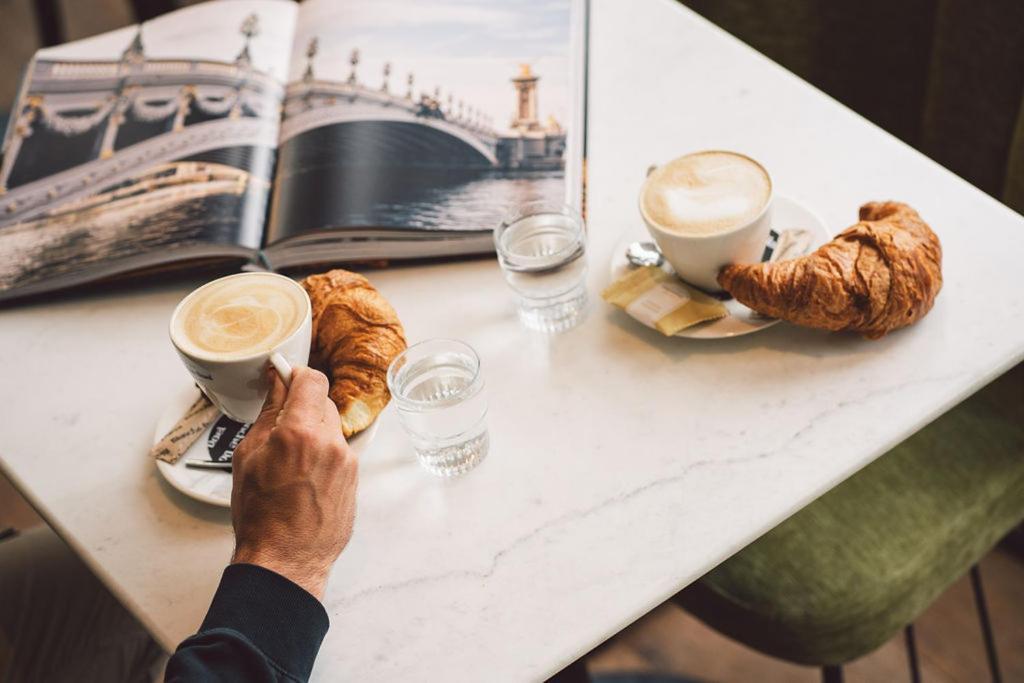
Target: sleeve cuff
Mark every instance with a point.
(283, 620)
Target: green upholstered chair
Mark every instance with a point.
(847, 572)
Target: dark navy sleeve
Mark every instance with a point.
(260, 627)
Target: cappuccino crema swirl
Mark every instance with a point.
(706, 193)
(241, 316)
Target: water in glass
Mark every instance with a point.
(542, 253)
(439, 393)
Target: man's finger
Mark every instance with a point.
(332, 419)
(260, 429)
(305, 401)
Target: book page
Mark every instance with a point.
(433, 116)
(137, 146)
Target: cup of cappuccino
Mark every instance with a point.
(706, 210)
(229, 329)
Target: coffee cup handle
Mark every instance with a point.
(283, 367)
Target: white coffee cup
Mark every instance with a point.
(238, 385)
(697, 258)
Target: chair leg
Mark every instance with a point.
(915, 669)
(986, 625)
(832, 674)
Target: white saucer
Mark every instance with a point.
(787, 214)
(211, 486)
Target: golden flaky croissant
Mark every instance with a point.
(878, 275)
(356, 334)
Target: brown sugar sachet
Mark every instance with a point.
(196, 419)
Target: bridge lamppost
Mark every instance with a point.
(135, 53)
(354, 61)
(250, 29)
(132, 59)
(409, 80)
(387, 73)
(462, 108)
(311, 51)
(451, 98)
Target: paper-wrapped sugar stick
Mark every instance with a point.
(196, 419)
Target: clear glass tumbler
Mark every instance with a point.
(542, 251)
(439, 392)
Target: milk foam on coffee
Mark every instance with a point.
(706, 193)
(238, 317)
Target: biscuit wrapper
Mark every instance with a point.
(661, 301)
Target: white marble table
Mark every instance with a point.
(623, 465)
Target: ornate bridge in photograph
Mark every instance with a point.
(374, 125)
(81, 126)
(435, 134)
(84, 126)
(424, 130)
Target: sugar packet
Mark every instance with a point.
(192, 424)
(661, 301)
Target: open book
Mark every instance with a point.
(275, 134)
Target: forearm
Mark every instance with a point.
(260, 627)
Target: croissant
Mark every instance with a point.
(356, 334)
(876, 276)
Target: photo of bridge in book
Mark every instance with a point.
(259, 131)
(443, 135)
(114, 160)
(402, 128)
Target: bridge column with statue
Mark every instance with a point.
(531, 145)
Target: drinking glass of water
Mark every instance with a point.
(439, 392)
(542, 251)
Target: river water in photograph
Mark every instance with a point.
(314, 197)
(101, 240)
(471, 204)
(358, 175)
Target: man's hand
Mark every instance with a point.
(294, 496)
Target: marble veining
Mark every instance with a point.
(668, 480)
